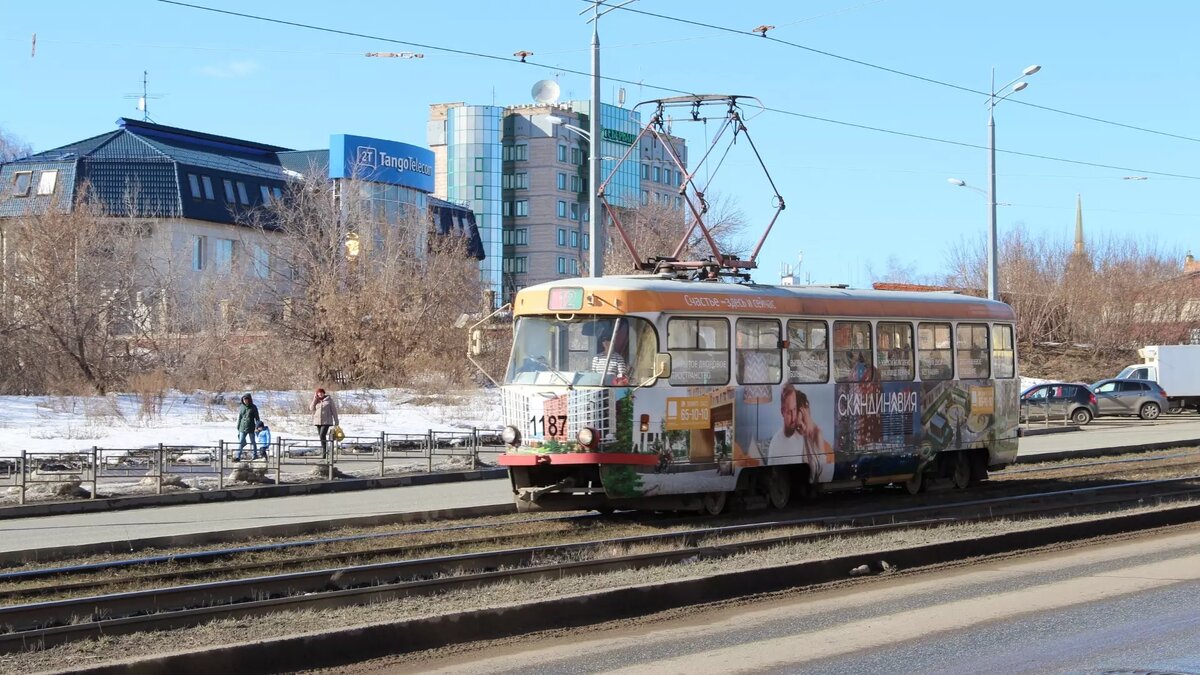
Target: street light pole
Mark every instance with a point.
(595, 218)
(994, 98)
(993, 246)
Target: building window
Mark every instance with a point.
(199, 252)
(562, 264)
(515, 181)
(277, 192)
(229, 197)
(516, 237)
(243, 196)
(657, 175)
(521, 207)
(46, 182)
(645, 172)
(645, 197)
(562, 237)
(514, 265)
(576, 156)
(667, 176)
(586, 242)
(574, 239)
(515, 153)
(266, 194)
(262, 261)
(562, 209)
(574, 211)
(506, 209)
(22, 181)
(208, 188)
(479, 164)
(679, 202)
(575, 184)
(562, 153)
(194, 184)
(562, 181)
(223, 256)
(478, 192)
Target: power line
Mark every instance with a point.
(673, 90)
(894, 71)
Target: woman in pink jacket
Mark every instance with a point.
(325, 416)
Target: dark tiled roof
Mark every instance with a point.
(141, 169)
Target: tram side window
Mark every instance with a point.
(758, 358)
(853, 358)
(894, 340)
(699, 351)
(934, 351)
(972, 347)
(1004, 358)
(808, 352)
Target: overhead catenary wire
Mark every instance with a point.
(902, 73)
(675, 90)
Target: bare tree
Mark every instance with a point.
(74, 279)
(372, 296)
(12, 147)
(657, 229)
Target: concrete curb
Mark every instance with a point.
(1105, 452)
(249, 492)
(1046, 431)
(250, 533)
(343, 647)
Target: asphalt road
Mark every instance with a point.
(1123, 607)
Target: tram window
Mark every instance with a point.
(972, 347)
(934, 351)
(808, 352)
(699, 351)
(758, 358)
(853, 359)
(894, 340)
(1003, 356)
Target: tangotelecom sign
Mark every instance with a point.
(380, 161)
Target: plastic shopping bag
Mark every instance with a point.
(338, 434)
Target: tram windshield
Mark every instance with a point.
(582, 350)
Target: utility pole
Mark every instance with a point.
(595, 214)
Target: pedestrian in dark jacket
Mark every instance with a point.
(247, 420)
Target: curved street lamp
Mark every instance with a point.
(994, 98)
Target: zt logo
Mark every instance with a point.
(366, 156)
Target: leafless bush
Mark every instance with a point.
(151, 389)
(658, 230)
(369, 299)
(1116, 293)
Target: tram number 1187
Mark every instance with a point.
(551, 426)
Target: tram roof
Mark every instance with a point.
(645, 293)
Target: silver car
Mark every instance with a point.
(1143, 398)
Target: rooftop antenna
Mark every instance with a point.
(144, 97)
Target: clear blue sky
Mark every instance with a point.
(855, 197)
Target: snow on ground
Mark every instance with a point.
(129, 421)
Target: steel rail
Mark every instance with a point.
(49, 621)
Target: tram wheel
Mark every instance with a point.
(961, 471)
(779, 487)
(714, 502)
(915, 484)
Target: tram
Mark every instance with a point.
(663, 391)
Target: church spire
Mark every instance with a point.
(1078, 224)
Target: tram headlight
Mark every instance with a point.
(586, 437)
(511, 435)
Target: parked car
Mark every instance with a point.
(1144, 398)
(1058, 401)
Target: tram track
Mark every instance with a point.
(61, 621)
(95, 577)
